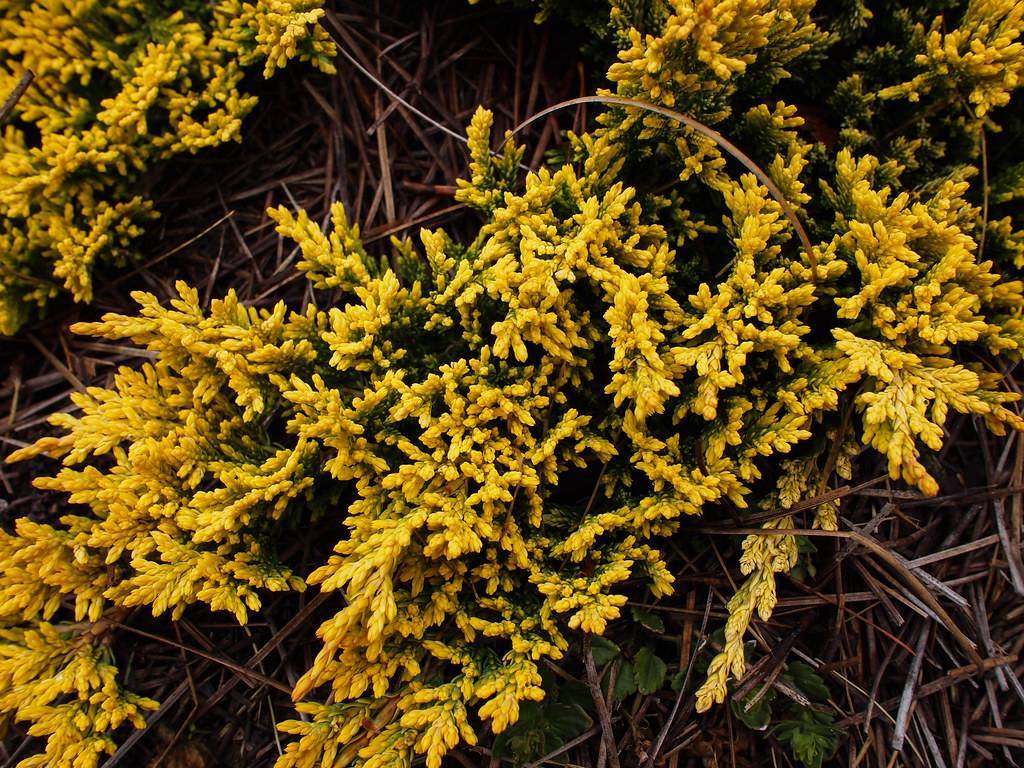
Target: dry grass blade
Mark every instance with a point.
(166, 706)
(332, 18)
(907, 700)
(912, 580)
(670, 721)
(581, 739)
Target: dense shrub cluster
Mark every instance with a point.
(510, 430)
(118, 86)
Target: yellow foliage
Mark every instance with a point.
(118, 87)
(459, 398)
(453, 405)
(983, 56)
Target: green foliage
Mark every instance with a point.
(542, 728)
(648, 671)
(648, 619)
(810, 735)
(603, 650)
(808, 731)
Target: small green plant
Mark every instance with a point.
(806, 728)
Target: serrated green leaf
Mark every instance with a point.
(541, 728)
(676, 683)
(798, 574)
(804, 545)
(525, 740)
(651, 621)
(625, 682)
(808, 681)
(810, 735)
(565, 721)
(649, 671)
(603, 650)
(577, 693)
(759, 716)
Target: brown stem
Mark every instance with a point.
(603, 715)
(17, 93)
(700, 128)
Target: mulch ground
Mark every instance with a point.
(896, 617)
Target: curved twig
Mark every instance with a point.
(19, 90)
(698, 126)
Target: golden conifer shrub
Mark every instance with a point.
(901, 243)
(461, 390)
(118, 87)
(699, 57)
(983, 56)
